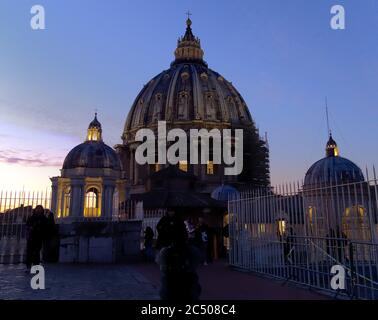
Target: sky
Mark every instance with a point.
(282, 56)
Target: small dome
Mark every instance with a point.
(92, 154)
(223, 192)
(333, 168)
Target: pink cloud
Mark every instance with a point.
(29, 158)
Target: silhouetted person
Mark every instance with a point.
(148, 242)
(36, 225)
(191, 230)
(178, 263)
(166, 228)
(202, 240)
(51, 239)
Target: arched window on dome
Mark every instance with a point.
(92, 205)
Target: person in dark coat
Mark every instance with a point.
(51, 239)
(178, 263)
(166, 227)
(36, 226)
(148, 242)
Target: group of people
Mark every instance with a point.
(42, 238)
(181, 247)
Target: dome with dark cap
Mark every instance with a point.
(93, 153)
(333, 168)
(95, 123)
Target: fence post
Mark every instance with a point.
(352, 272)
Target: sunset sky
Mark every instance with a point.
(282, 56)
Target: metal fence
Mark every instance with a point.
(299, 233)
(16, 207)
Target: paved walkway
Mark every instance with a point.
(74, 282)
(140, 282)
(220, 282)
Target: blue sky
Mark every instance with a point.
(282, 56)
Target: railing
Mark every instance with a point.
(298, 234)
(16, 208)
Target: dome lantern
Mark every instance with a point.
(188, 47)
(94, 132)
(332, 149)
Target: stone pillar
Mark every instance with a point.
(131, 168)
(77, 198)
(54, 194)
(107, 199)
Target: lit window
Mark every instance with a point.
(183, 165)
(94, 134)
(281, 224)
(210, 167)
(311, 214)
(92, 203)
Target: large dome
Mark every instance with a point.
(333, 169)
(189, 95)
(188, 91)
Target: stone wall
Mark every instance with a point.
(100, 242)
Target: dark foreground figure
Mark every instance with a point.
(41, 232)
(178, 262)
